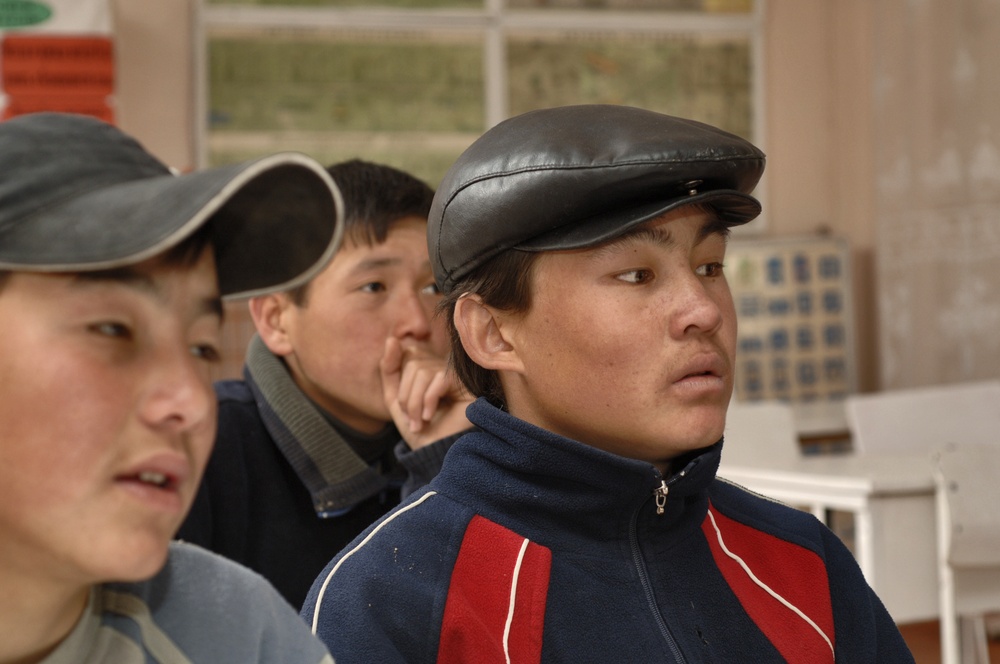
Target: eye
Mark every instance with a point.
(208, 352)
(710, 270)
(373, 287)
(111, 329)
(430, 289)
(637, 276)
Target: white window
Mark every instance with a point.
(412, 82)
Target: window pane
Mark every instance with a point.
(708, 6)
(407, 4)
(415, 103)
(704, 78)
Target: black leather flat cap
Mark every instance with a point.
(577, 176)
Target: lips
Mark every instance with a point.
(156, 479)
(164, 472)
(705, 364)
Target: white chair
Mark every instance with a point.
(968, 530)
(762, 434)
(759, 433)
(921, 419)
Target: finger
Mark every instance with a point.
(392, 356)
(408, 374)
(437, 390)
(390, 366)
(422, 379)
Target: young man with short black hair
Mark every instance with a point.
(346, 403)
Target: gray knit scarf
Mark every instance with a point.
(334, 474)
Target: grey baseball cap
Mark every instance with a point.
(576, 176)
(77, 194)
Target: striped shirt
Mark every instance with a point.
(199, 608)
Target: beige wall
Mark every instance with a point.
(818, 101)
(155, 92)
(819, 82)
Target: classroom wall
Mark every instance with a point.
(818, 93)
(155, 68)
(938, 192)
(819, 139)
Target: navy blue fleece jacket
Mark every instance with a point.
(531, 547)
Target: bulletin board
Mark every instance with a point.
(794, 306)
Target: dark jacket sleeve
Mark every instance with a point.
(217, 520)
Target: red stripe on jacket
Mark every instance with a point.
(479, 597)
(793, 572)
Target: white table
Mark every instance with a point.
(892, 500)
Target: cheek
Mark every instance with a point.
(341, 341)
(64, 392)
(60, 450)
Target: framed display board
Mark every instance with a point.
(794, 307)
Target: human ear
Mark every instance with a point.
(268, 314)
(486, 334)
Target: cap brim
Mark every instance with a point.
(275, 222)
(732, 207)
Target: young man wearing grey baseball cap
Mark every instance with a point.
(112, 274)
(581, 252)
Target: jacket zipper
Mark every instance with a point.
(661, 498)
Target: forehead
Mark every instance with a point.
(407, 236)
(682, 227)
(365, 234)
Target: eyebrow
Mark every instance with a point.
(375, 263)
(142, 282)
(713, 226)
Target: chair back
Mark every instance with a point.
(968, 536)
(922, 419)
(968, 481)
(760, 433)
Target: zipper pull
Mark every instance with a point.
(660, 496)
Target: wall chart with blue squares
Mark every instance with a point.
(793, 303)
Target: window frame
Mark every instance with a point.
(493, 22)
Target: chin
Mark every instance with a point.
(704, 426)
(139, 562)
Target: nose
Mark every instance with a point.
(413, 319)
(179, 397)
(698, 308)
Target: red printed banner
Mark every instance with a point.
(43, 64)
(56, 55)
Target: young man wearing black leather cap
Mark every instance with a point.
(581, 251)
(112, 273)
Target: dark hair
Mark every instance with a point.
(186, 252)
(375, 196)
(505, 283)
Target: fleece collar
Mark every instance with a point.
(513, 467)
(336, 477)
